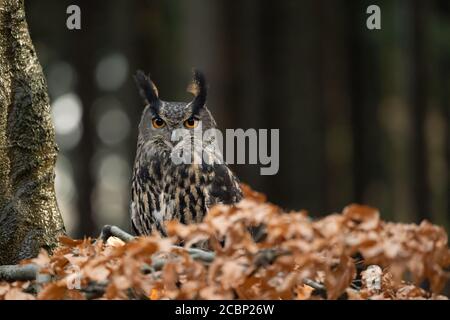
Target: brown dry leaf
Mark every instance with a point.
(121, 282)
(170, 278)
(155, 294)
(112, 291)
(320, 250)
(330, 226)
(98, 273)
(340, 278)
(233, 273)
(355, 294)
(410, 292)
(53, 291)
(174, 228)
(18, 294)
(42, 260)
(215, 293)
(74, 295)
(76, 259)
(69, 242)
(4, 288)
(304, 292)
(364, 217)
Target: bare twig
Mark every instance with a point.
(268, 256)
(19, 272)
(315, 285)
(113, 231)
(199, 254)
(94, 290)
(265, 257)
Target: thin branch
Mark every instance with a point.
(94, 290)
(315, 285)
(25, 272)
(199, 254)
(268, 256)
(319, 288)
(113, 231)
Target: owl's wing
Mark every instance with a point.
(223, 186)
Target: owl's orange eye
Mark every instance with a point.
(158, 123)
(191, 123)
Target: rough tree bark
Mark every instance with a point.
(29, 215)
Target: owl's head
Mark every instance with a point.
(160, 118)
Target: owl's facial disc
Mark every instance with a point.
(167, 125)
(162, 120)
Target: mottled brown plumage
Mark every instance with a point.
(162, 189)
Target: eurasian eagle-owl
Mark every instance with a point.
(163, 189)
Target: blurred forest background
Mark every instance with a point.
(363, 115)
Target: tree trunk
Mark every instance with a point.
(420, 96)
(29, 215)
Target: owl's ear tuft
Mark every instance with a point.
(147, 88)
(199, 89)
